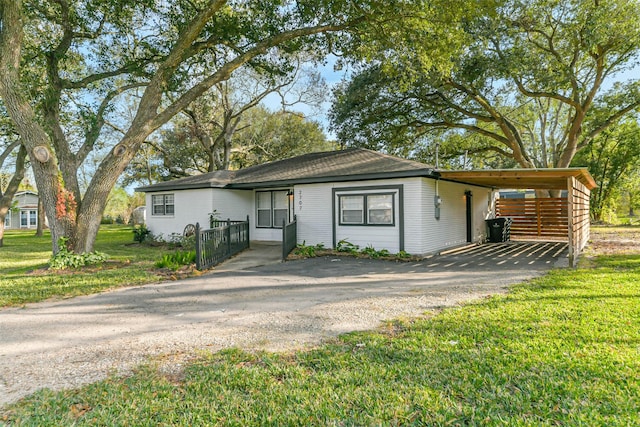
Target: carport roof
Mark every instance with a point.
(534, 179)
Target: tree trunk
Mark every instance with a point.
(34, 138)
(41, 217)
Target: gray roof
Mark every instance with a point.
(352, 164)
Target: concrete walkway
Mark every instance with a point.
(259, 254)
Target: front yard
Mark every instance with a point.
(561, 350)
(24, 258)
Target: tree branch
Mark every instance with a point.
(225, 71)
(94, 131)
(8, 150)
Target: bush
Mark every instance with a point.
(214, 219)
(177, 259)
(308, 251)
(344, 246)
(106, 220)
(66, 259)
(371, 252)
(403, 255)
(140, 233)
(177, 240)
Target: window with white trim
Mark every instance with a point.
(366, 209)
(7, 220)
(272, 208)
(162, 204)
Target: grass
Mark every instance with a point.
(24, 257)
(563, 349)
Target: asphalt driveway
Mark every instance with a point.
(281, 306)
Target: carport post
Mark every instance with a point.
(572, 253)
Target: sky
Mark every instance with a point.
(332, 78)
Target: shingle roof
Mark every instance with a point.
(331, 166)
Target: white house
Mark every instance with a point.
(361, 196)
(23, 212)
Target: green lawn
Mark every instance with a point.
(561, 350)
(24, 257)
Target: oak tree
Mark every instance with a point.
(64, 65)
(534, 84)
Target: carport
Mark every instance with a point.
(560, 218)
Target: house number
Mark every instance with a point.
(299, 200)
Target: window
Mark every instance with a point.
(162, 204)
(7, 220)
(272, 208)
(352, 209)
(24, 217)
(380, 209)
(33, 219)
(263, 204)
(366, 209)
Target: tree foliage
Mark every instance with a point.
(533, 84)
(613, 158)
(64, 64)
(262, 136)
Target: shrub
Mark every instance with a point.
(66, 259)
(370, 252)
(214, 219)
(308, 251)
(177, 240)
(106, 220)
(140, 233)
(345, 246)
(403, 255)
(177, 259)
(383, 253)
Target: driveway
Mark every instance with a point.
(283, 306)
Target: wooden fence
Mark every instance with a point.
(579, 198)
(217, 244)
(289, 237)
(536, 219)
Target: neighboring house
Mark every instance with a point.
(23, 212)
(357, 195)
(139, 215)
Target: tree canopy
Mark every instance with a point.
(534, 84)
(613, 158)
(263, 136)
(64, 65)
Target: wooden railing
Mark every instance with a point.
(540, 218)
(217, 244)
(289, 237)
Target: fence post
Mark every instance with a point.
(284, 239)
(248, 239)
(228, 235)
(198, 248)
